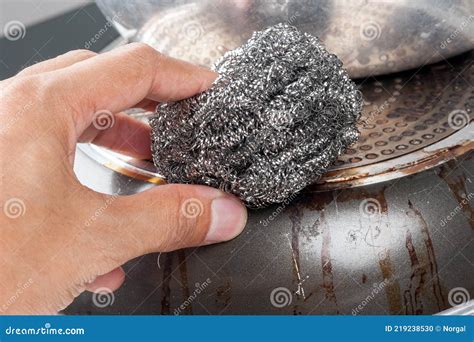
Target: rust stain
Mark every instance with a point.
(353, 194)
(364, 278)
(165, 287)
(361, 194)
(377, 227)
(457, 185)
(436, 285)
(184, 280)
(224, 294)
(328, 278)
(392, 289)
(360, 175)
(317, 201)
(418, 275)
(348, 177)
(380, 197)
(295, 216)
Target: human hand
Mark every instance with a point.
(44, 111)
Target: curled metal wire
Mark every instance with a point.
(280, 112)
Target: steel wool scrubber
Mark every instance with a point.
(280, 112)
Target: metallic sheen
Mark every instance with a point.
(279, 114)
(373, 37)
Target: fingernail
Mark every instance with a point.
(228, 219)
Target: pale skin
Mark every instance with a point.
(49, 255)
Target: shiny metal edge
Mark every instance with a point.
(466, 309)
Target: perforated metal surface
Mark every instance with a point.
(408, 111)
(411, 110)
(403, 112)
(411, 121)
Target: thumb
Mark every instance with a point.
(170, 217)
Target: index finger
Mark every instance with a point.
(119, 79)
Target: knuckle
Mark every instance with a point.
(142, 50)
(17, 100)
(49, 91)
(186, 219)
(60, 87)
(81, 53)
(18, 96)
(141, 55)
(26, 86)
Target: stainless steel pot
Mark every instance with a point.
(370, 37)
(387, 248)
(389, 230)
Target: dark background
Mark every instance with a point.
(53, 37)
